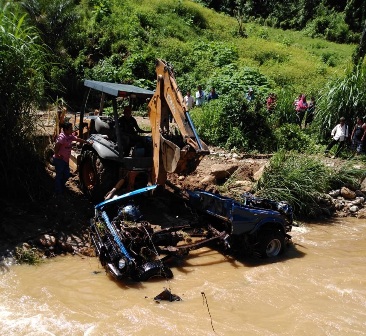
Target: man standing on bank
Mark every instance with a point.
(339, 135)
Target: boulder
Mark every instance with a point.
(222, 171)
(210, 179)
(348, 193)
(363, 186)
(47, 240)
(258, 174)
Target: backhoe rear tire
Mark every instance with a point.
(97, 176)
(48, 154)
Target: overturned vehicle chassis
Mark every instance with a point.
(129, 247)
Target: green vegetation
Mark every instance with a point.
(22, 65)
(302, 180)
(28, 256)
(49, 47)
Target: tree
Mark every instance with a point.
(360, 51)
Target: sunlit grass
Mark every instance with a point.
(302, 179)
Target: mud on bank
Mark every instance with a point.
(57, 226)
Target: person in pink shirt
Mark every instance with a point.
(62, 156)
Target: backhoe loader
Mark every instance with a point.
(103, 167)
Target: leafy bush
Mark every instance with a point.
(330, 25)
(232, 122)
(292, 138)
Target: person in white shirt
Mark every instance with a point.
(200, 96)
(339, 135)
(188, 101)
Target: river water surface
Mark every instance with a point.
(317, 288)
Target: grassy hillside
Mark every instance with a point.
(197, 41)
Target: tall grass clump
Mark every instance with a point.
(302, 181)
(21, 56)
(297, 179)
(342, 97)
(347, 175)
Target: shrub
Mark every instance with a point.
(302, 179)
(231, 121)
(292, 138)
(297, 179)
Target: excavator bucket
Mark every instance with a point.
(176, 160)
(170, 153)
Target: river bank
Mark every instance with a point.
(57, 226)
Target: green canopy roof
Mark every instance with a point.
(118, 90)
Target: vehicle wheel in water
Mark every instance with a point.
(153, 269)
(96, 176)
(271, 244)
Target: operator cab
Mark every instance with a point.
(110, 158)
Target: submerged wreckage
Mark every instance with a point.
(129, 247)
(114, 169)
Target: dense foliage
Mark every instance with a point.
(22, 60)
(339, 21)
(49, 47)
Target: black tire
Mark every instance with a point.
(153, 269)
(271, 244)
(48, 154)
(97, 176)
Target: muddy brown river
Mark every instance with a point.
(317, 288)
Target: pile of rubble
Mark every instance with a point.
(347, 202)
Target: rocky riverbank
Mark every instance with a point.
(60, 226)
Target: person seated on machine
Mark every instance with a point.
(130, 131)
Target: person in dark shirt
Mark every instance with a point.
(212, 95)
(357, 135)
(130, 130)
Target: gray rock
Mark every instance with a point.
(47, 240)
(335, 193)
(221, 171)
(358, 201)
(353, 208)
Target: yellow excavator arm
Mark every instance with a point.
(182, 151)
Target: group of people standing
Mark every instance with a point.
(304, 109)
(199, 98)
(340, 136)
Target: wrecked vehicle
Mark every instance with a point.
(129, 247)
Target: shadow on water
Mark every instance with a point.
(184, 265)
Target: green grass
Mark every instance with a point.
(302, 180)
(287, 58)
